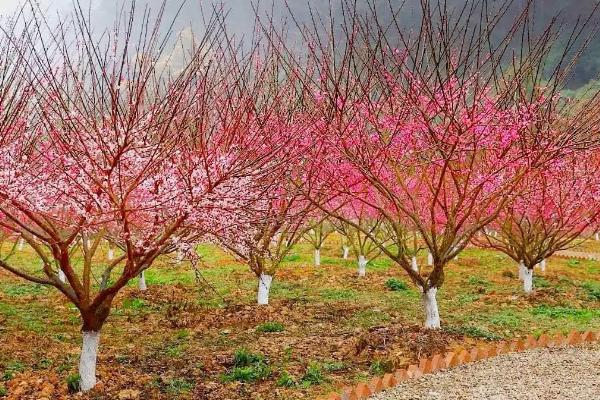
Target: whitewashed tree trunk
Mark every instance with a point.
(414, 265)
(346, 251)
(362, 265)
(317, 257)
(432, 314)
(543, 265)
(87, 360)
(179, 257)
(521, 270)
(111, 254)
(597, 236)
(264, 287)
(429, 259)
(61, 276)
(142, 281)
(21, 244)
(528, 280)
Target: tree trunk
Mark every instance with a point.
(21, 243)
(264, 287)
(432, 314)
(142, 282)
(87, 360)
(414, 265)
(346, 251)
(429, 259)
(61, 276)
(528, 280)
(597, 236)
(111, 254)
(317, 257)
(543, 265)
(362, 265)
(521, 270)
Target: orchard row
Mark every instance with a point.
(402, 140)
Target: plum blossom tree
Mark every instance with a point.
(359, 243)
(554, 206)
(320, 230)
(121, 149)
(437, 125)
(264, 237)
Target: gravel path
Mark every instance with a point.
(548, 374)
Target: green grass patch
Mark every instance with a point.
(592, 289)
(506, 318)
(565, 312)
(19, 290)
(541, 282)
(312, 376)
(473, 331)
(476, 280)
(269, 327)
(395, 285)
(247, 367)
(369, 318)
(339, 294)
(286, 380)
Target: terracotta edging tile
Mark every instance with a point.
(375, 385)
(362, 391)
(401, 375)
(456, 358)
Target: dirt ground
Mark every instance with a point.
(203, 337)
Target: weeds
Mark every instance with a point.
(395, 285)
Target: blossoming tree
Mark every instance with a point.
(127, 150)
(554, 206)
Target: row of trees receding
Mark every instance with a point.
(405, 139)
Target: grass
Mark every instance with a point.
(247, 367)
(269, 327)
(395, 285)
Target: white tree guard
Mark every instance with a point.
(87, 360)
(528, 280)
(432, 314)
(264, 287)
(142, 282)
(317, 257)
(346, 252)
(362, 265)
(414, 265)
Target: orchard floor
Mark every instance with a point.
(556, 374)
(177, 340)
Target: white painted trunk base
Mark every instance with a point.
(432, 314)
(61, 276)
(111, 254)
(543, 265)
(87, 360)
(429, 259)
(521, 270)
(264, 287)
(413, 264)
(346, 251)
(21, 244)
(317, 258)
(362, 265)
(142, 281)
(528, 280)
(597, 236)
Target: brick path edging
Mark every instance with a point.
(438, 362)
